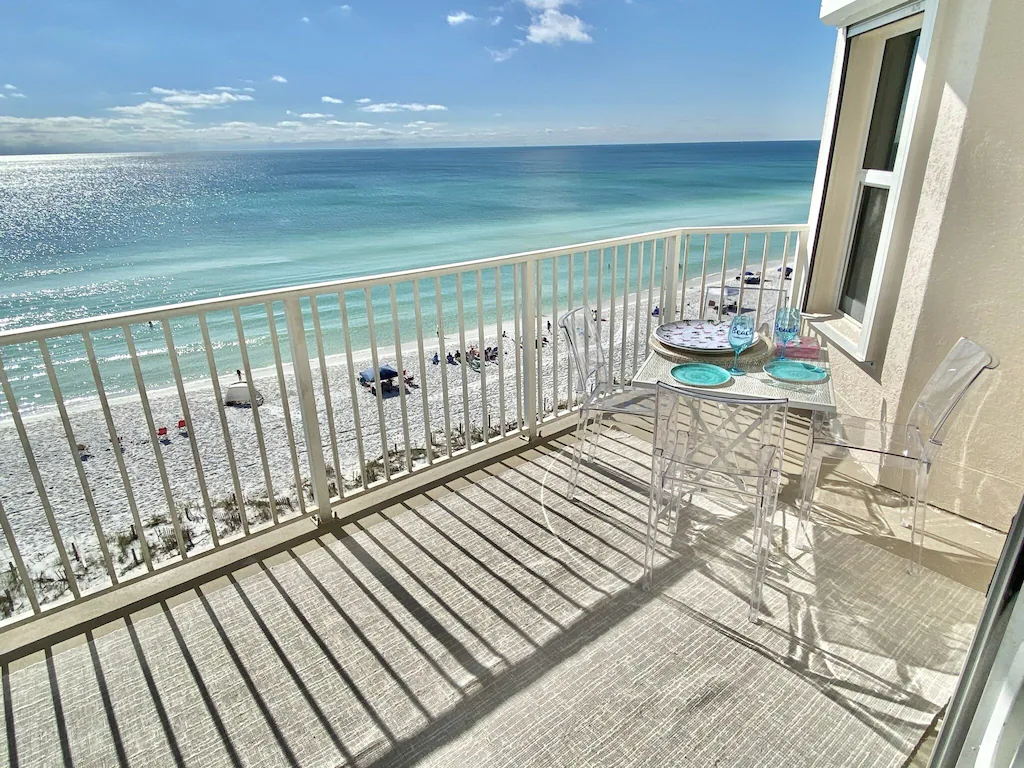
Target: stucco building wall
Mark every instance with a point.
(961, 259)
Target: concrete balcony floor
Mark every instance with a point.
(487, 620)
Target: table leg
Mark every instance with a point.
(808, 479)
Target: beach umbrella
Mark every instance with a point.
(386, 372)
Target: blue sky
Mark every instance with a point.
(83, 75)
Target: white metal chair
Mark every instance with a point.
(600, 394)
(912, 446)
(716, 444)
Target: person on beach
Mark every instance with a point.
(238, 372)
(437, 359)
(451, 360)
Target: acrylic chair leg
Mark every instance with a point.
(577, 451)
(598, 424)
(812, 468)
(654, 502)
(919, 515)
(766, 504)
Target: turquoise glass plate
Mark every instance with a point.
(795, 372)
(701, 375)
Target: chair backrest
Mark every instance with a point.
(712, 433)
(935, 408)
(583, 334)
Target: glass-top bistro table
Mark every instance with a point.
(819, 399)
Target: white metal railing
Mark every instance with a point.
(117, 455)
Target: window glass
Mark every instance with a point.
(890, 101)
(866, 234)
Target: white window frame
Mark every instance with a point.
(858, 338)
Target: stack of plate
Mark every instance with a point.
(697, 337)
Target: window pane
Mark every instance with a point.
(890, 101)
(867, 230)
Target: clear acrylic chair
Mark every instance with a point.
(712, 443)
(911, 447)
(600, 393)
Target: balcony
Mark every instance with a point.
(343, 575)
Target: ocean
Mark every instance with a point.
(83, 235)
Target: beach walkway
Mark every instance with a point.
(487, 620)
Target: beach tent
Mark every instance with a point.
(238, 394)
(386, 373)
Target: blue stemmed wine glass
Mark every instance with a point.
(787, 326)
(741, 336)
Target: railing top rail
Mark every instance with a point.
(67, 327)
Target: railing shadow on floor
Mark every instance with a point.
(492, 685)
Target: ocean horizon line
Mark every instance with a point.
(389, 147)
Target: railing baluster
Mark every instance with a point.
(530, 349)
(671, 246)
(500, 334)
(356, 418)
(427, 434)
(650, 289)
(19, 563)
(484, 416)
(554, 334)
(332, 432)
(154, 439)
(44, 499)
(286, 410)
(760, 284)
(517, 314)
(538, 287)
(90, 502)
(636, 304)
(611, 321)
(118, 450)
(172, 353)
(386, 456)
(625, 316)
(467, 427)
(721, 286)
(702, 302)
(444, 366)
(570, 297)
(255, 407)
(782, 274)
(401, 379)
(743, 274)
(685, 251)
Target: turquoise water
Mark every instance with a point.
(84, 235)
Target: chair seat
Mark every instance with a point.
(637, 402)
(840, 433)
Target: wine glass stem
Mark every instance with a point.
(736, 361)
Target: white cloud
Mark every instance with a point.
(279, 79)
(331, 100)
(153, 108)
(197, 99)
(496, 21)
(227, 88)
(544, 5)
(504, 54)
(363, 101)
(9, 87)
(314, 116)
(304, 19)
(393, 107)
(460, 17)
(17, 95)
(2, 96)
(553, 27)
(249, 90)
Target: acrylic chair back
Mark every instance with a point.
(583, 335)
(718, 441)
(936, 406)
